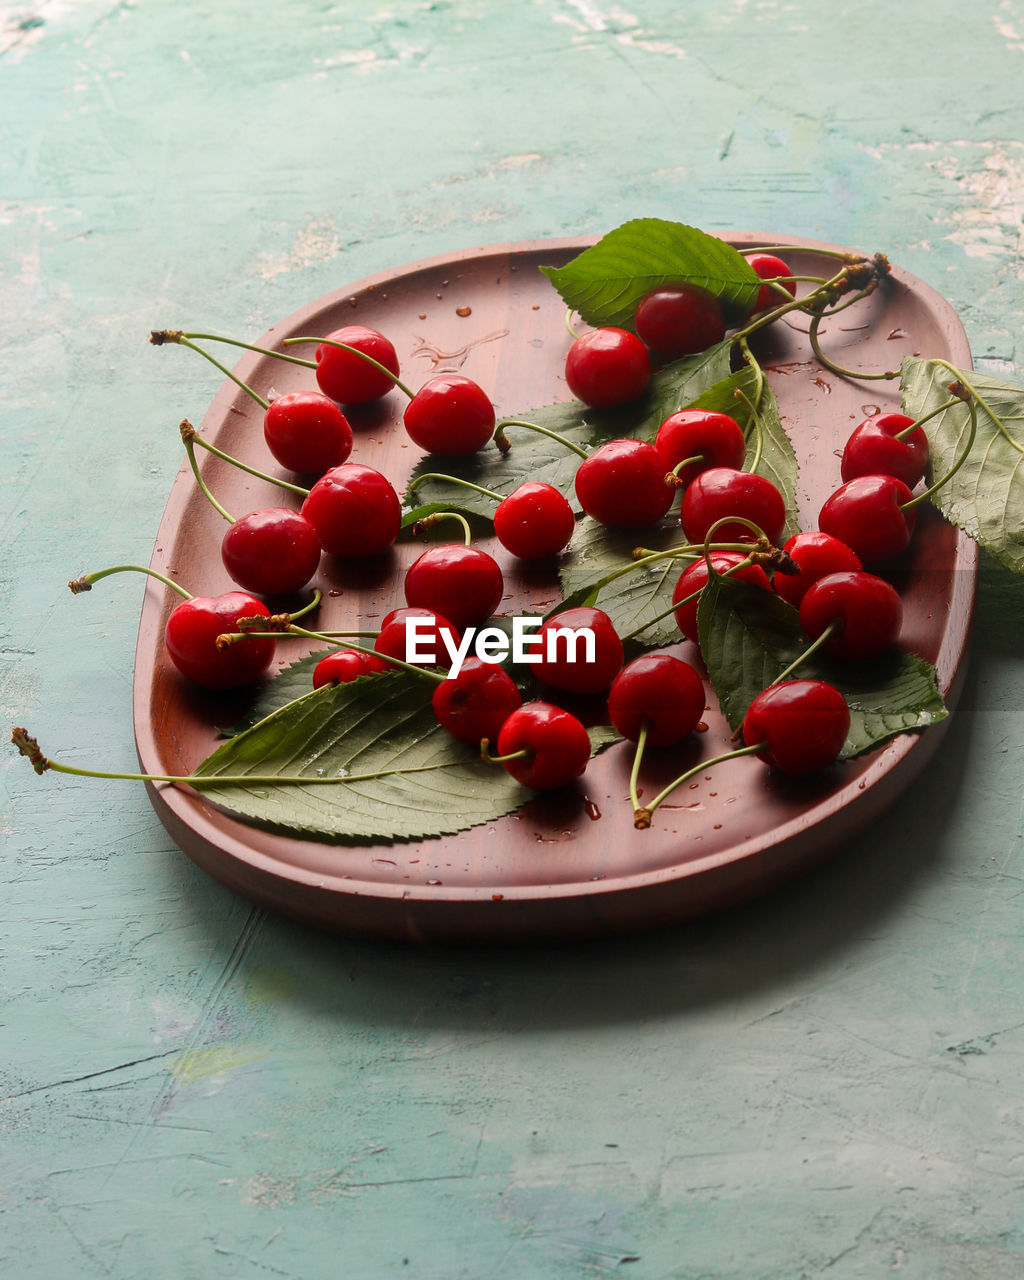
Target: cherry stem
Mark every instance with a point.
(832, 289)
(776, 249)
(838, 368)
(28, 746)
(642, 816)
(971, 434)
(504, 444)
(678, 604)
(980, 399)
(85, 583)
(344, 346)
(359, 648)
(190, 443)
(672, 478)
(755, 421)
(428, 521)
(161, 336)
(641, 743)
(834, 626)
(190, 434)
(183, 340)
(907, 432)
(568, 324)
(485, 754)
(466, 484)
(252, 622)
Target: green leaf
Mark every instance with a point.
(429, 784)
(985, 497)
(605, 282)
(749, 636)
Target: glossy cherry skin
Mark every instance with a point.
(659, 691)
(873, 450)
(622, 484)
(345, 376)
(816, 554)
(607, 367)
(866, 513)
(679, 320)
(307, 432)
(272, 552)
(768, 267)
(354, 510)
(801, 725)
(450, 415)
(695, 577)
(534, 521)
(715, 438)
(462, 583)
(579, 676)
(723, 492)
(867, 607)
(393, 640)
(346, 665)
(556, 743)
(191, 640)
(476, 703)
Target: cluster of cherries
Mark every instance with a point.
(353, 511)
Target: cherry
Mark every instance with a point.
(622, 484)
(393, 640)
(660, 692)
(345, 665)
(879, 447)
(345, 376)
(607, 367)
(272, 552)
(542, 746)
(768, 267)
(307, 432)
(476, 703)
(679, 320)
(191, 635)
(865, 610)
(354, 510)
(568, 668)
(711, 439)
(721, 492)
(815, 554)
(800, 725)
(534, 521)
(450, 415)
(694, 578)
(868, 514)
(460, 582)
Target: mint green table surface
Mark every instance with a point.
(825, 1083)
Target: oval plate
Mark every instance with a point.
(569, 865)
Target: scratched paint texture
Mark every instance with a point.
(827, 1082)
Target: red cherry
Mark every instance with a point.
(816, 554)
(556, 743)
(534, 521)
(272, 552)
(307, 432)
(867, 607)
(450, 415)
(394, 639)
(679, 320)
(800, 724)
(191, 640)
(476, 703)
(715, 438)
(607, 367)
(462, 583)
(723, 492)
(622, 484)
(344, 666)
(694, 578)
(872, 450)
(866, 513)
(568, 668)
(354, 510)
(345, 376)
(661, 692)
(768, 267)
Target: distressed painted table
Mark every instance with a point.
(825, 1082)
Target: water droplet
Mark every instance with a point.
(593, 812)
(353, 302)
(435, 882)
(896, 333)
(423, 316)
(870, 410)
(463, 311)
(497, 897)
